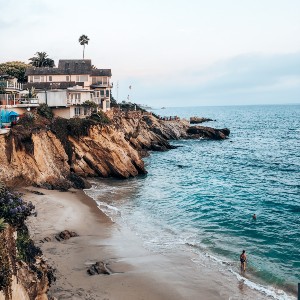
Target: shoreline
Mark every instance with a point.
(136, 272)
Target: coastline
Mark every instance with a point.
(136, 272)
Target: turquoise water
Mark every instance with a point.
(203, 194)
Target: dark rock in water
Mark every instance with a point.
(79, 182)
(195, 132)
(98, 268)
(181, 166)
(65, 235)
(197, 120)
(161, 146)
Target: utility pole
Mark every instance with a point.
(129, 92)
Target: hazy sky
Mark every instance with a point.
(172, 53)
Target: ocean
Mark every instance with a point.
(201, 196)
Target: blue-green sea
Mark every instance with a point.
(202, 195)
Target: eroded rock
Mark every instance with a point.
(65, 235)
(207, 132)
(98, 268)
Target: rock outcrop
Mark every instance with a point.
(198, 120)
(41, 157)
(196, 132)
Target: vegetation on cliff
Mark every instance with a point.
(19, 253)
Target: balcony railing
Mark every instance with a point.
(21, 102)
(11, 85)
(74, 102)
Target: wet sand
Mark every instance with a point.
(136, 272)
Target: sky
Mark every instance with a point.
(172, 53)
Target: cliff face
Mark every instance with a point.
(46, 160)
(39, 157)
(18, 280)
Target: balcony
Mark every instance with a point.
(20, 102)
(95, 85)
(9, 85)
(74, 102)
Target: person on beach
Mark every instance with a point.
(243, 259)
(254, 217)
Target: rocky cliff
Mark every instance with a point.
(51, 156)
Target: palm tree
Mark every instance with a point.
(83, 40)
(41, 60)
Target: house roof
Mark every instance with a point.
(75, 66)
(101, 72)
(70, 66)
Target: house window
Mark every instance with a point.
(94, 80)
(77, 111)
(50, 78)
(67, 78)
(107, 93)
(101, 92)
(36, 78)
(30, 78)
(104, 80)
(42, 78)
(82, 78)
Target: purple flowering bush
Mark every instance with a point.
(14, 209)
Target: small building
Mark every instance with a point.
(67, 103)
(70, 73)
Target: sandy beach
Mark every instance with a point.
(136, 272)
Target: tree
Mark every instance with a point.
(41, 60)
(83, 40)
(15, 69)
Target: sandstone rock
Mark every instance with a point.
(114, 150)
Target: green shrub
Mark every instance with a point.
(27, 121)
(27, 251)
(100, 117)
(90, 104)
(45, 111)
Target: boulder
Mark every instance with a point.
(98, 268)
(65, 235)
